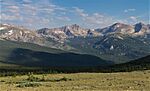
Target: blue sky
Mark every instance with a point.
(87, 13)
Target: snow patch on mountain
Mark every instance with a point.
(119, 37)
(2, 28)
(112, 47)
(10, 32)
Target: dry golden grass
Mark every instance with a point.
(125, 81)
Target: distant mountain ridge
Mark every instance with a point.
(118, 43)
(70, 31)
(16, 33)
(62, 33)
(134, 30)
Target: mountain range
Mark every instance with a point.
(118, 43)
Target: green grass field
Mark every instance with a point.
(131, 81)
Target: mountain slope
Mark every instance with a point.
(121, 48)
(31, 55)
(141, 61)
(138, 64)
(120, 42)
(118, 48)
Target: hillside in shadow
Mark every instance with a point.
(26, 57)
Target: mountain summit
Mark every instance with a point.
(70, 31)
(17, 33)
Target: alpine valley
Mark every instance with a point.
(73, 45)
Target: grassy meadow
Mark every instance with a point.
(131, 81)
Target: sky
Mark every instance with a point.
(86, 13)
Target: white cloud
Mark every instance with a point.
(27, 1)
(41, 11)
(134, 18)
(103, 20)
(129, 10)
(95, 19)
(10, 17)
(13, 9)
(63, 18)
(80, 12)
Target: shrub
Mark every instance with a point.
(31, 78)
(22, 85)
(61, 79)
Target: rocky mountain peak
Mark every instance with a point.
(117, 28)
(139, 26)
(140, 23)
(19, 33)
(69, 31)
(75, 26)
(119, 24)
